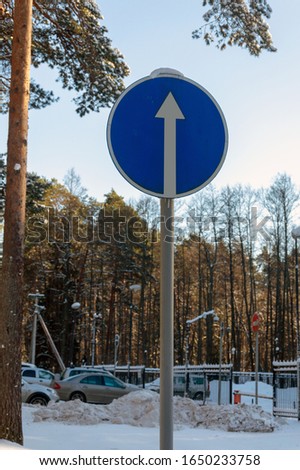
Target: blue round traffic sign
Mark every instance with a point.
(167, 135)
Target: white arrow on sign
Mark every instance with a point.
(170, 112)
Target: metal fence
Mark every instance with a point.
(286, 389)
(243, 377)
(212, 380)
(278, 390)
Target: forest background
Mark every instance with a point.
(234, 253)
(74, 245)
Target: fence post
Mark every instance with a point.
(230, 386)
(298, 387)
(274, 388)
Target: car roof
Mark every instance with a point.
(28, 365)
(85, 369)
(37, 369)
(101, 372)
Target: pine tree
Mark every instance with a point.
(241, 23)
(67, 36)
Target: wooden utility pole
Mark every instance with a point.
(11, 286)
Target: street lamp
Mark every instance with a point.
(133, 288)
(296, 235)
(188, 325)
(75, 306)
(233, 350)
(204, 315)
(277, 349)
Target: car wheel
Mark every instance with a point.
(41, 400)
(78, 396)
(198, 396)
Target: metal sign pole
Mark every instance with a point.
(256, 367)
(134, 136)
(298, 383)
(166, 323)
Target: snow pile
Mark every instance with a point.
(8, 445)
(72, 412)
(137, 408)
(142, 409)
(238, 418)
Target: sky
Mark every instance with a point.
(259, 97)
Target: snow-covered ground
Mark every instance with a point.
(132, 422)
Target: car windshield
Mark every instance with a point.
(43, 374)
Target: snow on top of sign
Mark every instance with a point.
(165, 71)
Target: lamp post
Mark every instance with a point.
(133, 288)
(188, 325)
(117, 341)
(74, 308)
(96, 317)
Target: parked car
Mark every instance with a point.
(198, 386)
(36, 394)
(154, 386)
(100, 387)
(36, 375)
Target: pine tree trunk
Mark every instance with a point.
(12, 269)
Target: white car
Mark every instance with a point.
(198, 386)
(154, 386)
(35, 375)
(36, 394)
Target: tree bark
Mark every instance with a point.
(11, 289)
